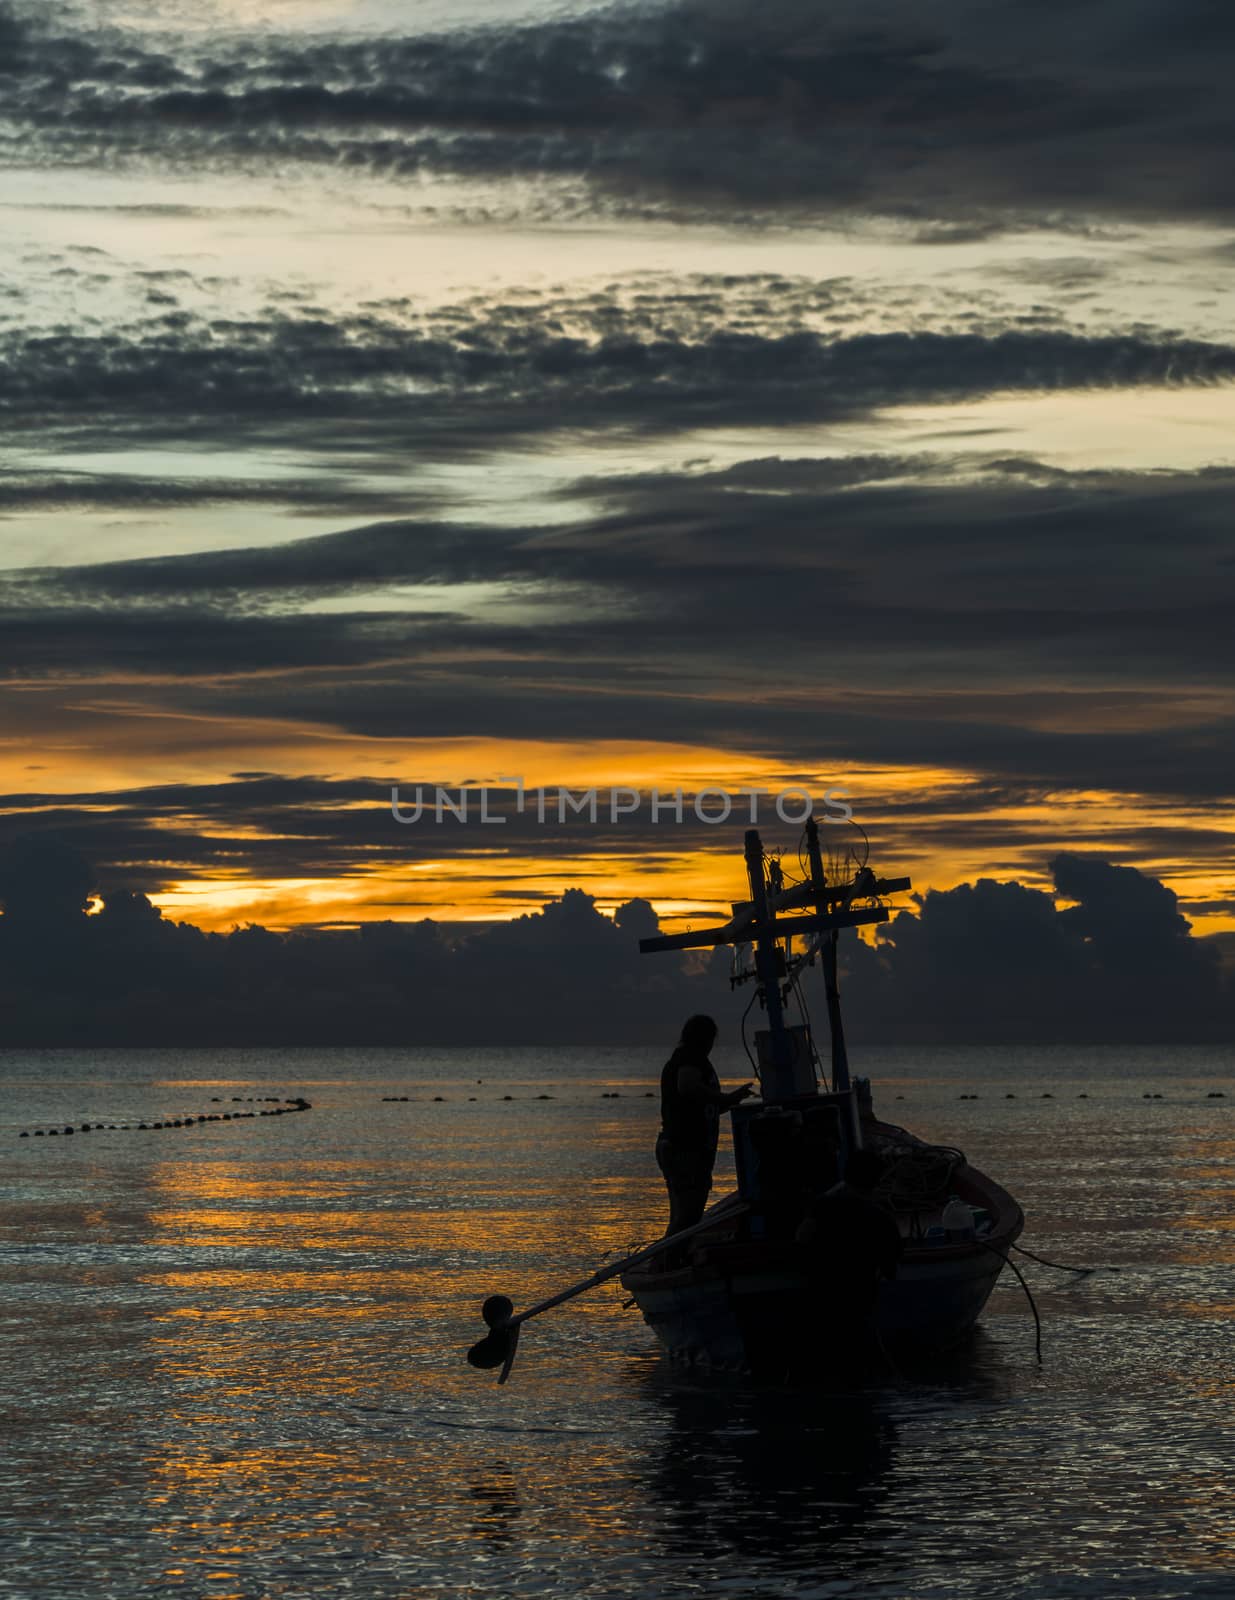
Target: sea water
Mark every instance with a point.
(232, 1354)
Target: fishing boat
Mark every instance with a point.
(743, 1292)
(746, 1288)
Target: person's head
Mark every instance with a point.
(698, 1034)
(863, 1169)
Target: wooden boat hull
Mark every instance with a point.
(742, 1305)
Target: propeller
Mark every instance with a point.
(500, 1345)
(497, 1348)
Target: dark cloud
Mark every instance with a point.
(322, 494)
(964, 113)
(44, 884)
(473, 377)
(998, 961)
(1086, 648)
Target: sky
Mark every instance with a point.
(702, 396)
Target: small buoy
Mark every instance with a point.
(900, 1097)
(53, 1133)
(1147, 1095)
(544, 1097)
(508, 1097)
(38, 1133)
(439, 1097)
(214, 1099)
(648, 1095)
(1009, 1097)
(85, 1127)
(23, 1135)
(1047, 1095)
(1157, 1097)
(68, 1130)
(471, 1099)
(1082, 1097)
(1215, 1094)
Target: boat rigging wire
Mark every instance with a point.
(816, 1062)
(754, 995)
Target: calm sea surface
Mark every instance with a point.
(231, 1355)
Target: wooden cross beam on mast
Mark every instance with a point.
(756, 922)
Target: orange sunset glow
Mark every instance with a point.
(594, 475)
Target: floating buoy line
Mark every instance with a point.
(440, 1099)
(274, 1107)
(616, 1094)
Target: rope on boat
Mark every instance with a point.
(919, 1174)
(1020, 1277)
(1059, 1266)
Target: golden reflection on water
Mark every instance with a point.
(219, 1515)
(333, 1230)
(287, 1410)
(1209, 1197)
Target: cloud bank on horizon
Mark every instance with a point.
(984, 962)
(721, 393)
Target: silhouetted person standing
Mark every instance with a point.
(691, 1101)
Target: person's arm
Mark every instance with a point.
(693, 1085)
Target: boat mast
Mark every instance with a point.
(777, 1080)
(827, 948)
